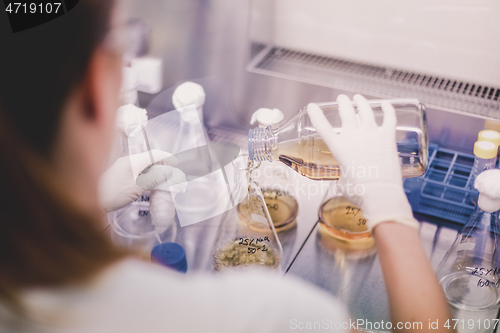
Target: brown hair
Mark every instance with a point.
(45, 240)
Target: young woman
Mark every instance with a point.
(59, 84)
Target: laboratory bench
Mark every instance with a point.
(355, 275)
(352, 275)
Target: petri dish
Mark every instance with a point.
(132, 228)
(282, 208)
(343, 220)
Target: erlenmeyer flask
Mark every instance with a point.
(341, 219)
(246, 236)
(470, 270)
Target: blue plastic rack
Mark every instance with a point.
(443, 191)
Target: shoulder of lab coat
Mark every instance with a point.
(134, 296)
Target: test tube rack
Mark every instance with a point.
(443, 191)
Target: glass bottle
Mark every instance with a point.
(297, 144)
(470, 270)
(246, 237)
(485, 158)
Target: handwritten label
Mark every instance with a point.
(143, 213)
(273, 207)
(272, 194)
(486, 283)
(352, 210)
(143, 198)
(481, 271)
(253, 242)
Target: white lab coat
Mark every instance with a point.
(133, 297)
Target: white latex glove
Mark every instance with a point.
(119, 187)
(162, 210)
(162, 194)
(368, 159)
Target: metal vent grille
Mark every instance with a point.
(437, 92)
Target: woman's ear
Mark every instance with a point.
(101, 87)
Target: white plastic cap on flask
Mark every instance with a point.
(129, 117)
(189, 93)
(267, 117)
(488, 185)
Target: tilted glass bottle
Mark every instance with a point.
(297, 144)
(470, 270)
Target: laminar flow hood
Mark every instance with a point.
(445, 53)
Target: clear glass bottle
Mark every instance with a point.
(297, 144)
(470, 270)
(246, 237)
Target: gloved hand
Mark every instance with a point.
(368, 159)
(121, 184)
(162, 199)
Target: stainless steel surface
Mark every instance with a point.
(356, 276)
(384, 82)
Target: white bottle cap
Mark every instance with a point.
(129, 117)
(188, 93)
(267, 117)
(188, 99)
(488, 185)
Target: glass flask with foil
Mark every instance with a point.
(246, 237)
(297, 144)
(341, 219)
(470, 271)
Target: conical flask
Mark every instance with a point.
(246, 237)
(470, 270)
(297, 144)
